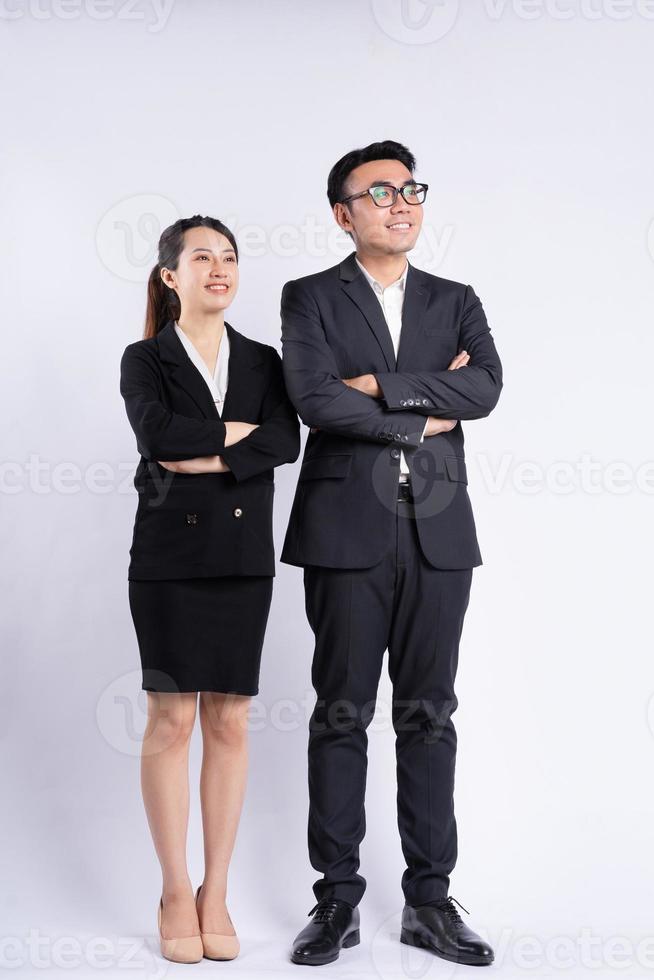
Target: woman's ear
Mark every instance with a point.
(168, 278)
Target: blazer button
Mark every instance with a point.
(410, 401)
(395, 453)
(402, 402)
(192, 519)
(425, 401)
(237, 512)
(398, 436)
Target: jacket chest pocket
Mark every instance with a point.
(173, 527)
(440, 345)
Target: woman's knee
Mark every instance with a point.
(171, 717)
(224, 717)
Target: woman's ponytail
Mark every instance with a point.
(162, 304)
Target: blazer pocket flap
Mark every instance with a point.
(456, 469)
(319, 467)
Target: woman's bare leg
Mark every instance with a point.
(165, 787)
(223, 719)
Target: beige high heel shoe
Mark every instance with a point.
(217, 947)
(185, 949)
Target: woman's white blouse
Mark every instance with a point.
(218, 383)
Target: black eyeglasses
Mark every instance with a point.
(385, 195)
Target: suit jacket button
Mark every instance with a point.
(191, 519)
(237, 512)
(395, 453)
(402, 402)
(425, 401)
(410, 401)
(398, 436)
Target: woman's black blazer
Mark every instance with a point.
(207, 523)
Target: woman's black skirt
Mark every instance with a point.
(201, 634)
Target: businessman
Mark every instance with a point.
(383, 362)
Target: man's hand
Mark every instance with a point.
(436, 426)
(235, 431)
(460, 360)
(365, 383)
(199, 464)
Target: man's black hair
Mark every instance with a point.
(385, 150)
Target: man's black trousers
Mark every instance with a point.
(415, 611)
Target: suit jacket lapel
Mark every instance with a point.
(182, 370)
(358, 289)
(244, 374)
(413, 309)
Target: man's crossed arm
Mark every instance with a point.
(353, 406)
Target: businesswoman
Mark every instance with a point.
(212, 419)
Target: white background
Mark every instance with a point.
(532, 124)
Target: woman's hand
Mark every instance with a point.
(199, 464)
(235, 431)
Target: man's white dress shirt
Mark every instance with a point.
(392, 301)
(217, 383)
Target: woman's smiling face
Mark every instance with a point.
(206, 277)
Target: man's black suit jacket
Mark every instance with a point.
(333, 327)
(205, 524)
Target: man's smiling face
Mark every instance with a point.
(379, 230)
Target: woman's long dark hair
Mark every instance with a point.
(163, 302)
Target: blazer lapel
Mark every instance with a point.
(243, 357)
(413, 309)
(244, 377)
(183, 371)
(357, 288)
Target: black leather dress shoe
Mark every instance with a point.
(335, 925)
(439, 928)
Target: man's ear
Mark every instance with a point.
(341, 216)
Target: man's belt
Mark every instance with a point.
(404, 491)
